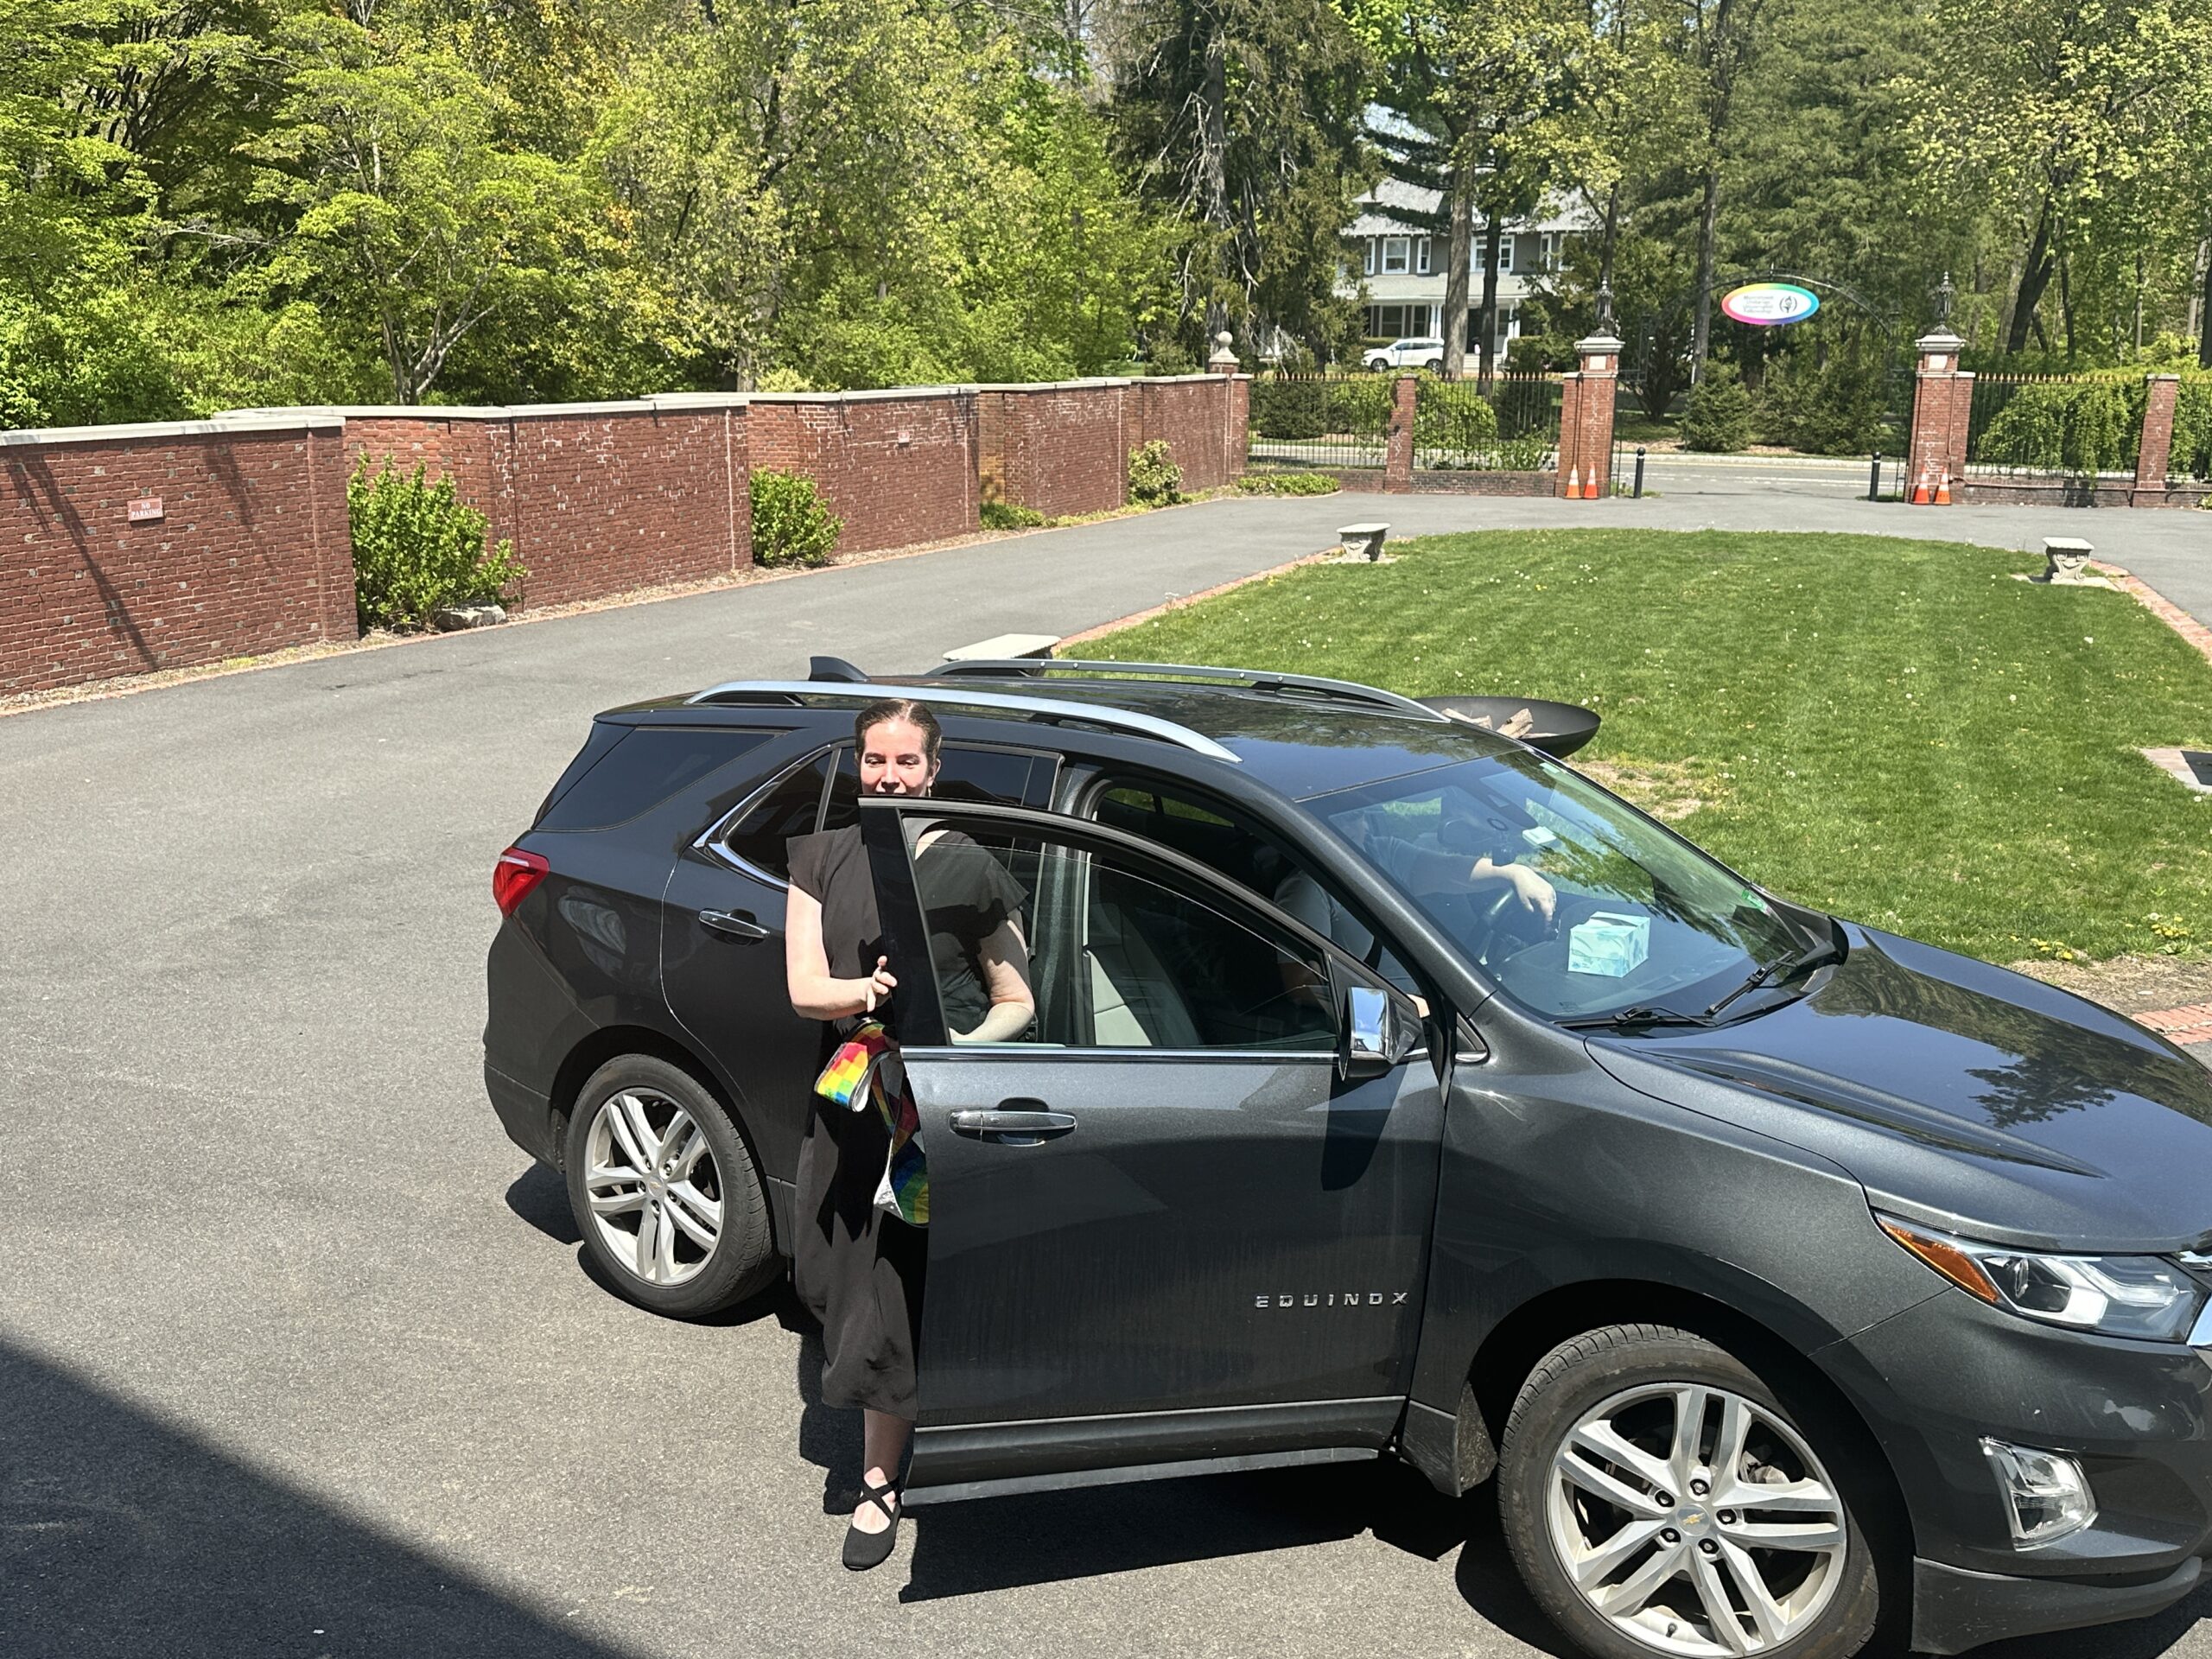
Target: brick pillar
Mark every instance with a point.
(1942, 401)
(2156, 450)
(1398, 454)
(1586, 418)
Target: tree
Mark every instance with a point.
(409, 217)
(1240, 121)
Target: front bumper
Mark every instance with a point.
(1953, 1610)
(1935, 1379)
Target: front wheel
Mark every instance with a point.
(1659, 1499)
(665, 1190)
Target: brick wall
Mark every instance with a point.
(1058, 448)
(599, 499)
(898, 468)
(250, 554)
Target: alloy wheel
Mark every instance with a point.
(1695, 1520)
(654, 1189)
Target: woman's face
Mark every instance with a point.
(895, 760)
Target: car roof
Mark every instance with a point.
(1300, 736)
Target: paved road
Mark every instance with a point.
(296, 1357)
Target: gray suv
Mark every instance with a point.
(1791, 1282)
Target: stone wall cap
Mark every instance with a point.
(888, 394)
(1940, 340)
(227, 425)
(1093, 383)
(1599, 343)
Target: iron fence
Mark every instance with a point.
(2191, 457)
(2054, 425)
(1513, 426)
(1320, 420)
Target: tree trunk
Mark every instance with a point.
(1213, 171)
(1493, 241)
(2035, 276)
(1707, 225)
(2205, 304)
(2066, 301)
(1461, 243)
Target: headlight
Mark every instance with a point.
(2145, 1296)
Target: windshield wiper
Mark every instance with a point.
(1630, 1019)
(1781, 968)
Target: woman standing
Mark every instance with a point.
(857, 1265)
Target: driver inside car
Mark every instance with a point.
(1416, 868)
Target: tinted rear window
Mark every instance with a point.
(647, 765)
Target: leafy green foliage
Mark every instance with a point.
(419, 549)
(1719, 419)
(1840, 407)
(2082, 427)
(1893, 730)
(1006, 515)
(1154, 479)
(1287, 483)
(1454, 425)
(2192, 454)
(792, 523)
(1294, 406)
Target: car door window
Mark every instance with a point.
(794, 804)
(1120, 954)
(1222, 839)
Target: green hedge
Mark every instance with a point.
(2088, 425)
(418, 548)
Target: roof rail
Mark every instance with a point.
(1249, 679)
(802, 692)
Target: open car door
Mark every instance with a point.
(1180, 1223)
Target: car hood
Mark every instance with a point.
(1962, 1095)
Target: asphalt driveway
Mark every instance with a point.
(297, 1356)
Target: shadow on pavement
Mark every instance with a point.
(121, 1535)
(540, 1198)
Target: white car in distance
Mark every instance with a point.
(1424, 352)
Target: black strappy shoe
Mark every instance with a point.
(867, 1549)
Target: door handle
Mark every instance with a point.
(1015, 1127)
(733, 923)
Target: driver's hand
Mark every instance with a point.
(1536, 894)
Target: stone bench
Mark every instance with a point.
(1366, 539)
(1000, 647)
(2066, 558)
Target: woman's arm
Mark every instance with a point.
(1003, 963)
(817, 994)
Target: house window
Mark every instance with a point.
(1421, 257)
(1505, 254)
(1391, 320)
(1369, 244)
(1394, 255)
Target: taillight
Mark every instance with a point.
(515, 876)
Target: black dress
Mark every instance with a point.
(858, 1268)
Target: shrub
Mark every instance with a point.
(1288, 484)
(1719, 418)
(418, 548)
(1290, 408)
(2192, 452)
(2064, 426)
(1836, 409)
(1005, 515)
(1454, 424)
(1154, 479)
(792, 523)
(1360, 406)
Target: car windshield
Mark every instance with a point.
(1641, 919)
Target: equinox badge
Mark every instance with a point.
(1331, 1299)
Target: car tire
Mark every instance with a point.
(1435, 366)
(1628, 1577)
(665, 1190)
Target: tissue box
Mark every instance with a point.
(1608, 944)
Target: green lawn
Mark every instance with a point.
(1893, 730)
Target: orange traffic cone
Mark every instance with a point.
(1591, 486)
(1574, 483)
(1943, 489)
(1920, 496)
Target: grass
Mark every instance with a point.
(1893, 730)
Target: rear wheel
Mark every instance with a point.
(664, 1192)
(1659, 1499)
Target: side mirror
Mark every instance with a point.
(1379, 1035)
